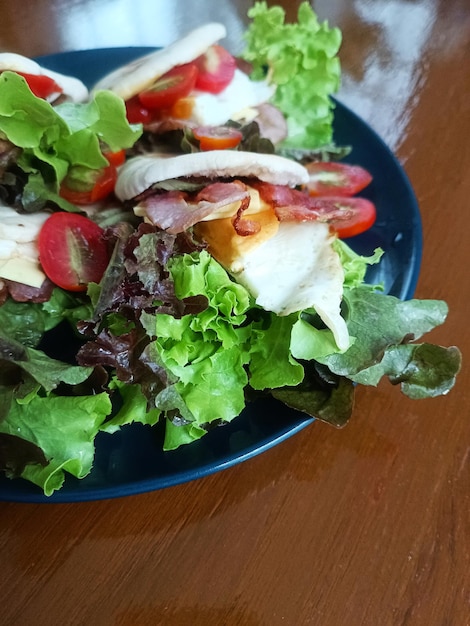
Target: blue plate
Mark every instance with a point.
(132, 461)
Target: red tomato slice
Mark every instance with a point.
(175, 84)
(42, 86)
(347, 216)
(96, 185)
(217, 137)
(216, 69)
(72, 251)
(336, 179)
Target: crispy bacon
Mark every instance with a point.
(244, 227)
(176, 211)
(221, 192)
(168, 211)
(294, 205)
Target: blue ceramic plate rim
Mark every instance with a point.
(130, 462)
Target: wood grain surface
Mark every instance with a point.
(365, 526)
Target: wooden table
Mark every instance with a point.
(366, 526)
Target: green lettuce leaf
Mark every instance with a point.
(301, 59)
(134, 407)
(64, 428)
(384, 328)
(27, 371)
(104, 118)
(271, 362)
(55, 139)
(422, 371)
(378, 321)
(27, 322)
(44, 434)
(331, 403)
(24, 322)
(310, 339)
(355, 265)
(177, 434)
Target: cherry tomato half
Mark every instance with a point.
(217, 137)
(336, 179)
(166, 90)
(347, 216)
(83, 186)
(216, 69)
(136, 113)
(42, 86)
(72, 251)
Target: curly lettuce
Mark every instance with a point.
(195, 358)
(302, 60)
(232, 348)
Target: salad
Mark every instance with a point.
(160, 331)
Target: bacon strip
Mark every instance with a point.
(176, 211)
(168, 211)
(244, 227)
(294, 205)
